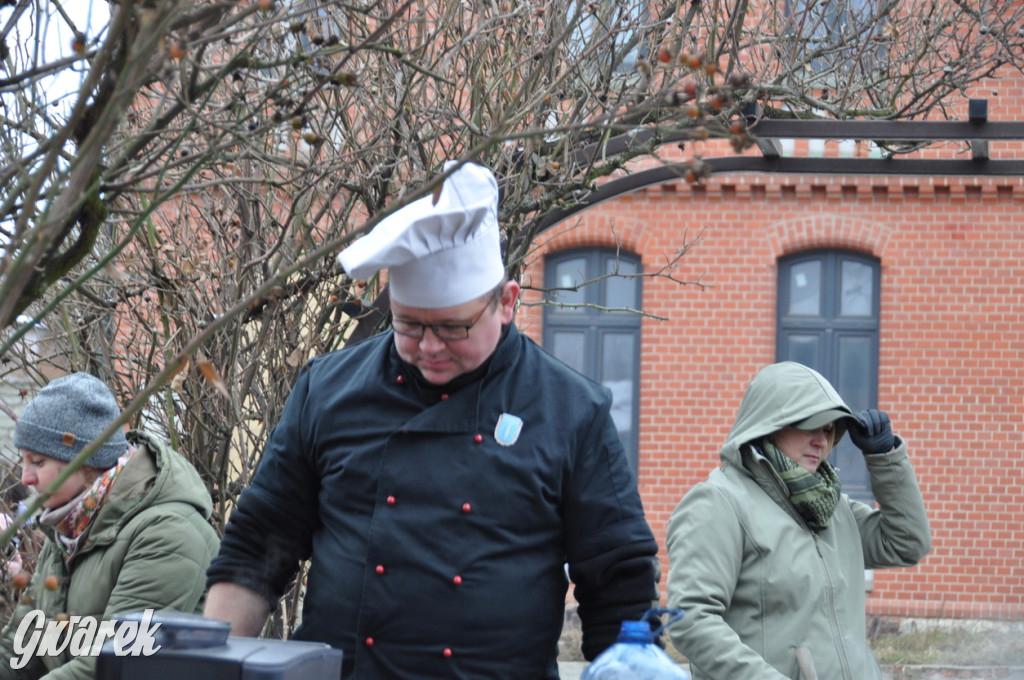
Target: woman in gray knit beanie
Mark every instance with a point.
(67, 415)
(126, 532)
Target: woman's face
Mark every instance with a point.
(39, 472)
(806, 448)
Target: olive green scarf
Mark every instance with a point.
(814, 495)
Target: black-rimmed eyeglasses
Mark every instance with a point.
(444, 331)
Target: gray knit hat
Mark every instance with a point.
(66, 415)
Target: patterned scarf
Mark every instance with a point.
(814, 495)
(77, 515)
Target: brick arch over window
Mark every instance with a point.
(828, 231)
(602, 232)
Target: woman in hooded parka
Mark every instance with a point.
(767, 556)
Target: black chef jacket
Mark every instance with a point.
(439, 519)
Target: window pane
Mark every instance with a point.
(805, 289)
(618, 355)
(568, 274)
(857, 281)
(855, 367)
(804, 349)
(825, 30)
(620, 292)
(568, 346)
(607, 31)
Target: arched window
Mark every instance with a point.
(593, 325)
(828, 320)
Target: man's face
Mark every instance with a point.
(443, 360)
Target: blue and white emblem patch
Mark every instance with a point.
(506, 432)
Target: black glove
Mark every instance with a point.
(872, 433)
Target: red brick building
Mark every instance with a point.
(906, 291)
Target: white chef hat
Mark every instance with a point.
(437, 255)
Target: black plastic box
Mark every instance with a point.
(200, 649)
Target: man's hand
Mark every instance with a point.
(244, 609)
(872, 433)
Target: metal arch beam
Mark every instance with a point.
(674, 172)
(890, 130)
(977, 131)
(768, 130)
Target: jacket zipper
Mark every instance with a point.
(837, 633)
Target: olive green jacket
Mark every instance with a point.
(756, 583)
(147, 547)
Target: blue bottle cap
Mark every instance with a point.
(635, 631)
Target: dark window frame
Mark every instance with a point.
(596, 325)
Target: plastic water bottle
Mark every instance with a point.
(635, 656)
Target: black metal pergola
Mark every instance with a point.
(977, 131)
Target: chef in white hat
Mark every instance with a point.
(449, 295)
(439, 477)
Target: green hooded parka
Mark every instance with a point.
(147, 547)
(756, 583)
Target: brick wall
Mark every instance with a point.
(951, 368)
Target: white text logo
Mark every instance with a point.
(81, 636)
